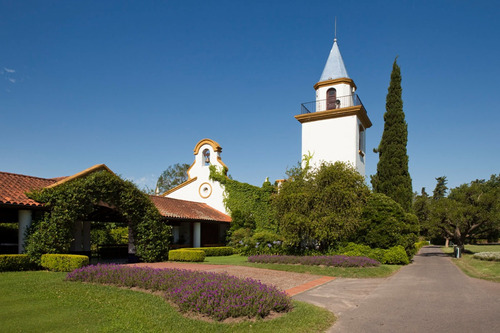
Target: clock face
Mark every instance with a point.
(205, 190)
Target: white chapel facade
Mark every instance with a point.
(334, 125)
(199, 187)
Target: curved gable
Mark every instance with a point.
(217, 148)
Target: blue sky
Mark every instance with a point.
(136, 84)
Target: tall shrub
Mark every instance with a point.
(385, 224)
(317, 208)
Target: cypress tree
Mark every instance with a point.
(392, 177)
(441, 188)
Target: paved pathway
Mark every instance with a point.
(430, 295)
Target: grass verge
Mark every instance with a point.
(479, 269)
(345, 272)
(43, 302)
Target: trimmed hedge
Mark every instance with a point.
(392, 256)
(192, 255)
(213, 251)
(16, 262)
(396, 255)
(63, 262)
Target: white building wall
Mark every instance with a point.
(332, 140)
(203, 189)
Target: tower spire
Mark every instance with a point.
(334, 67)
(335, 37)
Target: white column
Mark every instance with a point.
(197, 234)
(76, 244)
(24, 217)
(86, 236)
(131, 246)
(175, 234)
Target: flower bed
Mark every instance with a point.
(216, 295)
(489, 256)
(335, 261)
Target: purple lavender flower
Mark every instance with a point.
(219, 296)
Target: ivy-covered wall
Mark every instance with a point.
(76, 199)
(248, 204)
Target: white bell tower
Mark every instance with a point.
(334, 125)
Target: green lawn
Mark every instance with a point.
(480, 269)
(43, 302)
(350, 272)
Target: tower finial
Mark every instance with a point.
(335, 39)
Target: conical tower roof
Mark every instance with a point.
(334, 68)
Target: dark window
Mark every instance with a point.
(361, 143)
(331, 99)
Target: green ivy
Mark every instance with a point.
(250, 206)
(76, 199)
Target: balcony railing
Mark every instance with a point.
(321, 105)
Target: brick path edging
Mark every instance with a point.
(309, 285)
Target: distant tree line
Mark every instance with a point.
(468, 213)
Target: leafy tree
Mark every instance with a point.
(470, 211)
(421, 209)
(385, 224)
(392, 177)
(173, 176)
(440, 189)
(318, 207)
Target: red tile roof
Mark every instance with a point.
(182, 209)
(14, 186)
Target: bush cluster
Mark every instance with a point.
(63, 262)
(489, 256)
(260, 242)
(191, 255)
(213, 251)
(15, 262)
(333, 261)
(107, 233)
(216, 295)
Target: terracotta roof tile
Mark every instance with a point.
(14, 186)
(175, 208)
